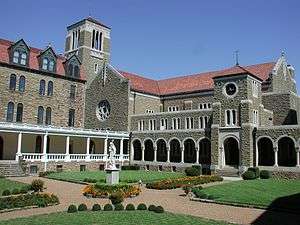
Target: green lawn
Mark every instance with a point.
(259, 193)
(10, 185)
(126, 176)
(111, 218)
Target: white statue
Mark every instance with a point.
(111, 163)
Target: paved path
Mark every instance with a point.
(171, 200)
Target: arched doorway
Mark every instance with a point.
(137, 150)
(175, 151)
(1, 148)
(162, 154)
(189, 151)
(149, 150)
(286, 152)
(204, 151)
(265, 152)
(231, 149)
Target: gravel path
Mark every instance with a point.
(171, 200)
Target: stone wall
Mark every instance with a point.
(139, 103)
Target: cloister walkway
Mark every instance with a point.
(171, 200)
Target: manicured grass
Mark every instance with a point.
(260, 193)
(6, 184)
(126, 176)
(111, 218)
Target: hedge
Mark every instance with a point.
(265, 174)
(249, 175)
(130, 167)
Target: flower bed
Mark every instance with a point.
(103, 190)
(34, 199)
(180, 182)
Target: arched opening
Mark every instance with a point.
(149, 151)
(137, 150)
(189, 151)
(92, 147)
(286, 152)
(175, 151)
(125, 147)
(1, 148)
(162, 154)
(265, 152)
(231, 148)
(204, 151)
(38, 144)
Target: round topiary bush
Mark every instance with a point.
(152, 208)
(141, 206)
(249, 175)
(82, 207)
(192, 171)
(6, 192)
(96, 207)
(130, 207)
(265, 174)
(108, 207)
(159, 209)
(37, 185)
(116, 197)
(255, 170)
(72, 209)
(119, 207)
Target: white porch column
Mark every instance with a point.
(155, 154)
(68, 148)
(168, 154)
(182, 154)
(88, 140)
(45, 151)
(197, 155)
(105, 149)
(298, 156)
(276, 156)
(19, 146)
(256, 155)
(121, 149)
(143, 153)
(131, 152)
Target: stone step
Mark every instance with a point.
(10, 168)
(228, 172)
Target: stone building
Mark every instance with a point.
(61, 111)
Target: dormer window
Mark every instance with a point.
(19, 53)
(48, 64)
(20, 57)
(73, 67)
(48, 60)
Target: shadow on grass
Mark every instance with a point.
(284, 210)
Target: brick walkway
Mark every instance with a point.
(171, 200)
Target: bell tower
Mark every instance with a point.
(89, 39)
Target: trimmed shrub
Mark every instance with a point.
(15, 191)
(119, 207)
(37, 185)
(130, 167)
(45, 173)
(2, 176)
(255, 170)
(108, 207)
(96, 207)
(72, 209)
(265, 174)
(141, 206)
(152, 208)
(104, 190)
(198, 167)
(192, 172)
(82, 207)
(116, 197)
(130, 207)
(89, 180)
(159, 209)
(249, 175)
(6, 192)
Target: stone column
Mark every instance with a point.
(105, 149)
(19, 147)
(155, 154)
(143, 153)
(168, 154)
(88, 141)
(298, 156)
(276, 156)
(197, 155)
(182, 154)
(68, 148)
(121, 149)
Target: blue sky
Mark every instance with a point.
(166, 38)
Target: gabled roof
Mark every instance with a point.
(194, 82)
(91, 19)
(33, 59)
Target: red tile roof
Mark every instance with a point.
(33, 59)
(195, 82)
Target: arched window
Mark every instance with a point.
(10, 112)
(70, 69)
(12, 82)
(19, 117)
(42, 87)
(76, 71)
(50, 88)
(45, 64)
(38, 144)
(51, 65)
(22, 84)
(40, 116)
(48, 116)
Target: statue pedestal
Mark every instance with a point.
(112, 176)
